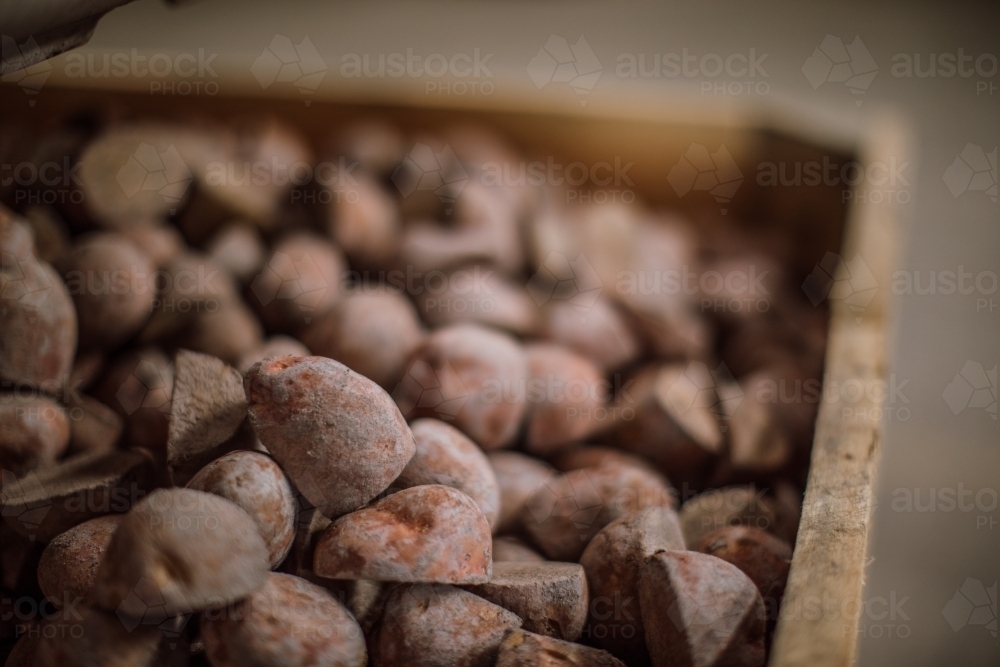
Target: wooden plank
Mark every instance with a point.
(820, 611)
(824, 598)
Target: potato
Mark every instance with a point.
(598, 331)
(38, 325)
(613, 562)
(732, 505)
(113, 287)
(287, 622)
(94, 427)
(518, 476)
(426, 625)
(68, 567)
(664, 414)
(699, 610)
(513, 549)
(587, 456)
(336, 434)
(182, 550)
(238, 249)
(35, 432)
(445, 456)
(114, 173)
(527, 649)
(138, 384)
(228, 332)
(16, 237)
(477, 293)
(275, 346)
(372, 333)
(191, 285)
(550, 598)
(363, 218)
(564, 514)
(429, 533)
(49, 231)
(373, 143)
(206, 409)
(80, 488)
(300, 281)
(258, 486)
(162, 244)
(566, 394)
(471, 375)
(761, 556)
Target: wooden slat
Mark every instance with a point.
(824, 597)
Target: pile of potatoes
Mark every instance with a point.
(395, 413)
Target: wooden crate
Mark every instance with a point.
(822, 604)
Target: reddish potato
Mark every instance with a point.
(732, 505)
(300, 281)
(275, 346)
(471, 375)
(228, 333)
(364, 219)
(35, 432)
(514, 550)
(761, 556)
(664, 416)
(599, 332)
(550, 598)
(258, 486)
(568, 510)
(287, 622)
(162, 244)
(428, 625)
(138, 385)
(565, 394)
(428, 533)
(445, 456)
(371, 333)
(526, 649)
(613, 562)
(38, 326)
(518, 476)
(112, 283)
(336, 434)
(238, 248)
(68, 567)
(699, 610)
(477, 293)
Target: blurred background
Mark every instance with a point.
(931, 588)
